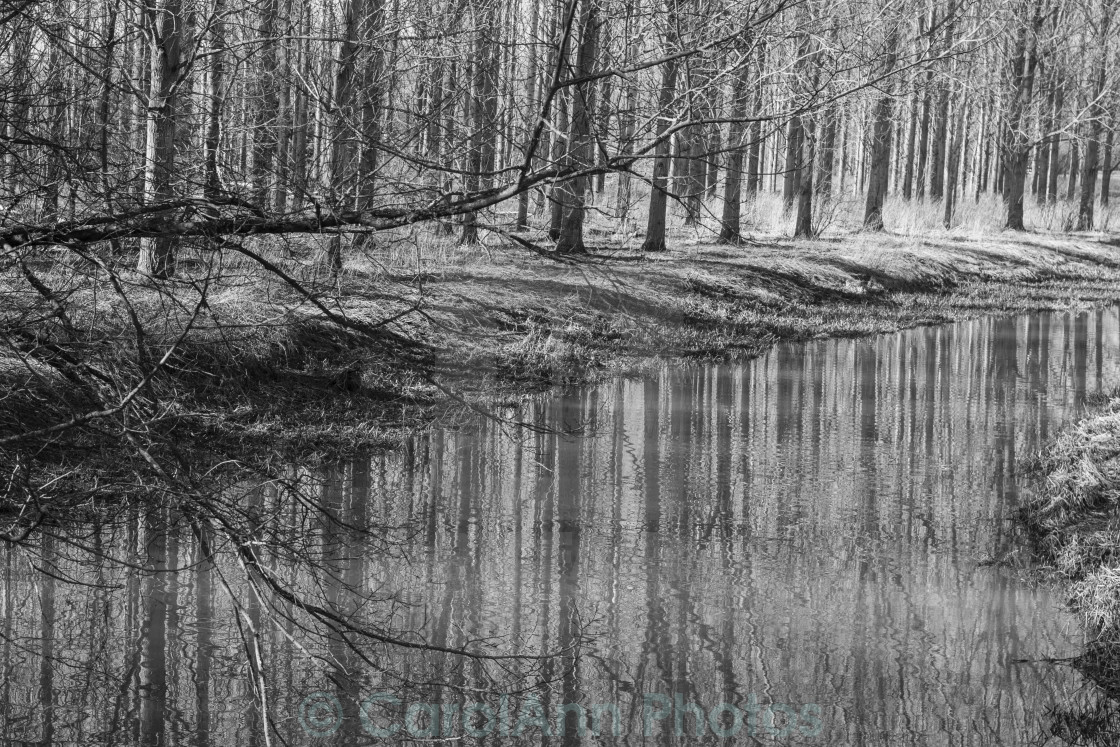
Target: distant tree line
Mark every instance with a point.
(140, 123)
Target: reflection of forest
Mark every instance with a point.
(805, 528)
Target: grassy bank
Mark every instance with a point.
(1075, 523)
(252, 366)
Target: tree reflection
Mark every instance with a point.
(800, 529)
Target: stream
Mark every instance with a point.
(805, 548)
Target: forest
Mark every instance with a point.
(150, 126)
(477, 347)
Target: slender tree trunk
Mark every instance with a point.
(266, 102)
(957, 137)
(1016, 145)
(165, 17)
(531, 107)
(1096, 130)
(627, 119)
(803, 223)
(693, 176)
(606, 109)
(16, 110)
(1106, 168)
(911, 148)
(368, 104)
(469, 234)
(561, 58)
(55, 113)
(826, 153)
(1098, 115)
(939, 145)
(881, 144)
(1089, 180)
(559, 154)
(215, 85)
(580, 152)
(1055, 147)
(715, 146)
(658, 198)
(983, 150)
(755, 158)
(923, 136)
(1043, 174)
(1074, 168)
(300, 178)
(791, 172)
(732, 187)
(104, 108)
(709, 168)
(340, 160)
(754, 155)
(282, 161)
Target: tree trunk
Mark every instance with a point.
(580, 148)
(732, 187)
(696, 166)
(1089, 179)
(983, 151)
(1074, 168)
(215, 85)
(803, 223)
(956, 143)
(1055, 147)
(940, 136)
(627, 119)
(1042, 177)
(1106, 168)
(282, 160)
(881, 144)
(1097, 113)
(55, 114)
(1016, 145)
(468, 236)
(104, 108)
(605, 109)
(911, 148)
(559, 154)
(880, 164)
(300, 179)
(340, 159)
(531, 107)
(792, 169)
(715, 146)
(165, 18)
(754, 155)
(267, 106)
(655, 227)
(923, 137)
(754, 159)
(826, 153)
(368, 104)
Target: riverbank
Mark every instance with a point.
(1074, 522)
(254, 367)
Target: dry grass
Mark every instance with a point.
(1075, 523)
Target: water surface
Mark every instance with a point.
(806, 537)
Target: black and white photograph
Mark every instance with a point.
(559, 372)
